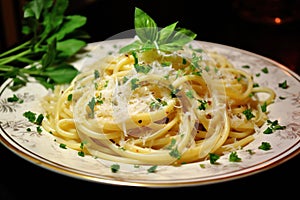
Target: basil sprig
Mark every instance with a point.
(167, 39)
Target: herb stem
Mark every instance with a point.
(21, 46)
(14, 57)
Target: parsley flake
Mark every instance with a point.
(213, 158)
(265, 146)
(283, 85)
(248, 114)
(15, 98)
(152, 169)
(233, 157)
(273, 126)
(115, 168)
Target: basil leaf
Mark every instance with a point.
(72, 22)
(54, 18)
(145, 27)
(166, 33)
(181, 37)
(69, 47)
(35, 8)
(61, 74)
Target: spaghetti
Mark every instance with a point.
(159, 108)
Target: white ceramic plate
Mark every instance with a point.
(42, 150)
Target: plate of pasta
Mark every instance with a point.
(203, 114)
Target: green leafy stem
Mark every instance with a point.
(54, 38)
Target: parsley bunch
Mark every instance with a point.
(54, 38)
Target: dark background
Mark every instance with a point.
(226, 22)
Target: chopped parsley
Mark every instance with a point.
(250, 151)
(189, 94)
(213, 158)
(15, 98)
(201, 165)
(273, 126)
(70, 97)
(31, 116)
(39, 129)
(154, 105)
(152, 169)
(115, 168)
(134, 83)
(265, 70)
(248, 114)
(265, 146)
(174, 92)
(172, 144)
(233, 157)
(175, 153)
(81, 153)
(246, 66)
(91, 105)
(63, 146)
(96, 74)
(283, 85)
(203, 104)
(264, 107)
(142, 68)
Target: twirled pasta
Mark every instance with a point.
(157, 108)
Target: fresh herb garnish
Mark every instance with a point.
(273, 126)
(31, 116)
(91, 105)
(283, 85)
(134, 83)
(246, 66)
(167, 39)
(154, 105)
(264, 107)
(189, 94)
(265, 146)
(63, 146)
(213, 158)
(54, 38)
(248, 113)
(15, 98)
(282, 98)
(175, 153)
(203, 104)
(265, 70)
(70, 97)
(115, 168)
(233, 157)
(152, 169)
(81, 153)
(250, 151)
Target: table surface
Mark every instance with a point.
(217, 22)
